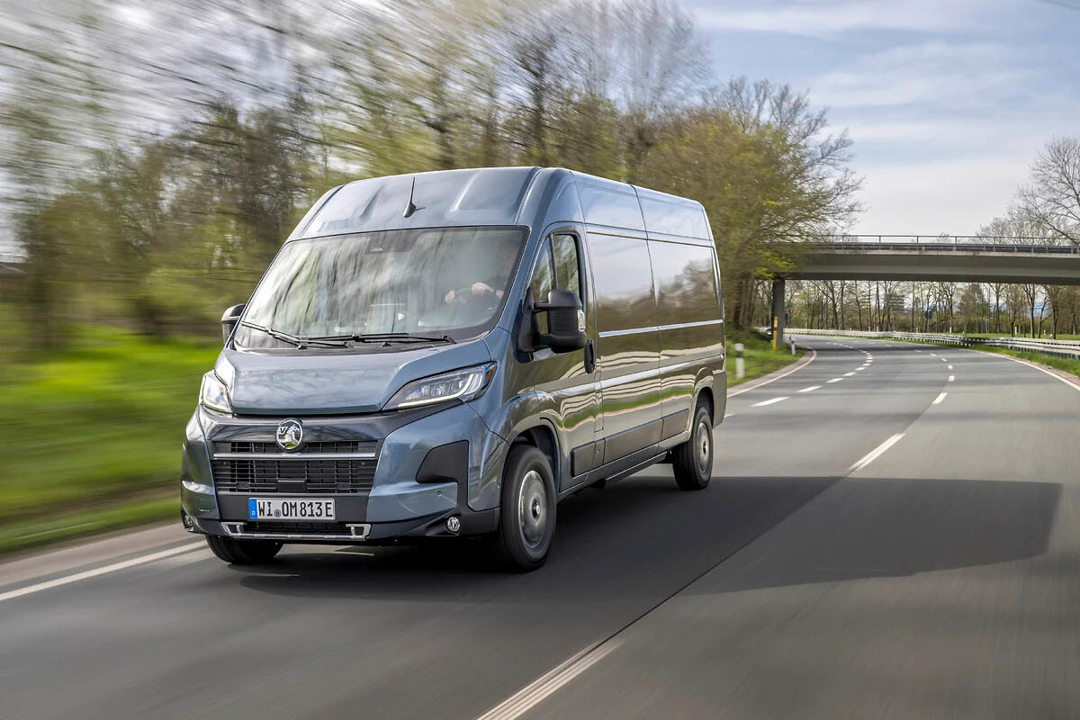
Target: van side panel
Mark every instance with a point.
(628, 342)
(691, 330)
(690, 308)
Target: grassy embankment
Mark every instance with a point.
(1066, 364)
(761, 359)
(91, 436)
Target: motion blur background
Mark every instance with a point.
(154, 155)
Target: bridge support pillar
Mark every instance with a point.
(778, 312)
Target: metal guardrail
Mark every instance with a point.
(1058, 348)
(947, 243)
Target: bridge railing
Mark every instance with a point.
(1057, 348)
(962, 243)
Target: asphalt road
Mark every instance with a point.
(903, 541)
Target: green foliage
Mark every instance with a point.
(760, 358)
(89, 426)
(159, 227)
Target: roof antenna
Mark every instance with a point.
(410, 208)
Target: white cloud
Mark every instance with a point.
(955, 197)
(833, 17)
(946, 74)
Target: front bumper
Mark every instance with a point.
(397, 504)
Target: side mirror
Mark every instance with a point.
(229, 319)
(566, 322)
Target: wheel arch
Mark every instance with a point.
(543, 437)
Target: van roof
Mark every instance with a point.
(498, 196)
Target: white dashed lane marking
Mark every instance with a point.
(876, 453)
(771, 401)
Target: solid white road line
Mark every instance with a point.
(537, 691)
(812, 388)
(951, 378)
(798, 366)
(834, 380)
(939, 398)
(772, 401)
(876, 453)
(1054, 375)
(86, 575)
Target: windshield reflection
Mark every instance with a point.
(438, 283)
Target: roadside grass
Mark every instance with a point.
(1021, 336)
(38, 531)
(92, 435)
(760, 358)
(1067, 364)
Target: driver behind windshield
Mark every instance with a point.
(489, 288)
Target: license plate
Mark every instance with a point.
(305, 509)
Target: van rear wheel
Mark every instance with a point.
(243, 552)
(692, 461)
(527, 510)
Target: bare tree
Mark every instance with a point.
(1053, 199)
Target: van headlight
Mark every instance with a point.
(464, 385)
(214, 394)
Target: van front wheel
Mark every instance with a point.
(527, 511)
(692, 461)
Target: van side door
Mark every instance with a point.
(628, 345)
(570, 379)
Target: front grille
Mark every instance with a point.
(294, 476)
(271, 448)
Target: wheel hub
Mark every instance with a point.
(532, 509)
(703, 441)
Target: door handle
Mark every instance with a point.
(590, 356)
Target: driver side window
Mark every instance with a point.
(543, 281)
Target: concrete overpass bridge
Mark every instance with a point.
(946, 258)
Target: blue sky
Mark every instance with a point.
(948, 101)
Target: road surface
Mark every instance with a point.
(891, 530)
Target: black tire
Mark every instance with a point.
(243, 552)
(692, 461)
(527, 510)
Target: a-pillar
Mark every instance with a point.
(778, 312)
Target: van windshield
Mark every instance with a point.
(438, 283)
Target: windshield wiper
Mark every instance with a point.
(299, 342)
(386, 338)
